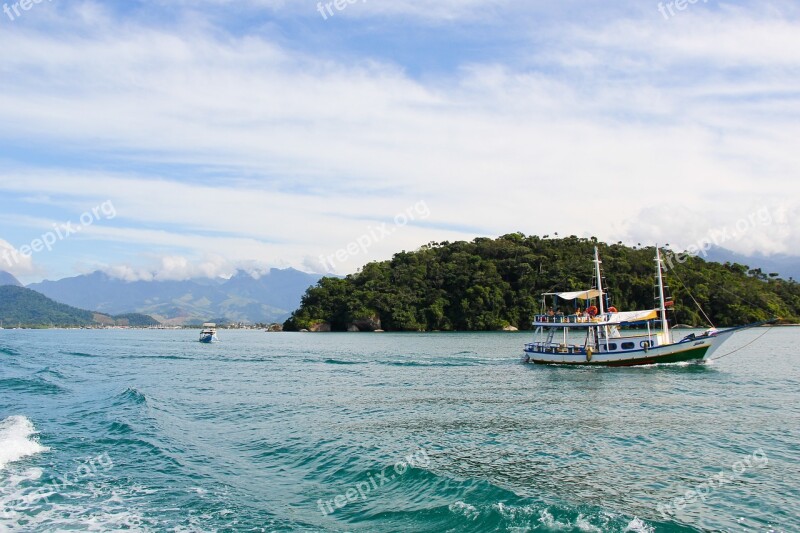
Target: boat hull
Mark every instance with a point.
(207, 339)
(676, 353)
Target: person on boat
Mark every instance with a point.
(550, 312)
(579, 314)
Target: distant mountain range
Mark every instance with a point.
(25, 307)
(788, 266)
(243, 298)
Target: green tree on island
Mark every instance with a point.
(488, 284)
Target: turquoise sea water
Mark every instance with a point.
(153, 431)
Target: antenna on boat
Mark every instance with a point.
(662, 301)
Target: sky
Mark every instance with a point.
(169, 139)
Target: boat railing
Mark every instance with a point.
(566, 319)
(554, 347)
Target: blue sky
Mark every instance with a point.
(257, 133)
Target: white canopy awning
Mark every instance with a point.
(580, 295)
(633, 316)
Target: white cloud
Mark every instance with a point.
(609, 129)
(421, 9)
(13, 262)
(174, 268)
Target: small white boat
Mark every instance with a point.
(209, 333)
(605, 342)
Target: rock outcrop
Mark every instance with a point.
(370, 323)
(320, 327)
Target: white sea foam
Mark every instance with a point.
(465, 509)
(17, 440)
(61, 517)
(638, 526)
(583, 524)
(14, 491)
(547, 520)
(24, 505)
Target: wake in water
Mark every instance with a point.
(17, 440)
(500, 516)
(33, 499)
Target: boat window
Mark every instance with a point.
(611, 346)
(628, 345)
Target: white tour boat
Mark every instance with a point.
(605, 342)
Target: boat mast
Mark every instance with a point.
(664, 322)
(599, 280)
(600, 290)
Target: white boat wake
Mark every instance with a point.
(17, 440)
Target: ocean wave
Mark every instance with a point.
(80, 354)
(459, 362)
(5, 350)
(340, 362)
(17, 440)
(49, 372)
(37, 385)
(132, 395)
(119, 428)
(165, 357)
(445, 503)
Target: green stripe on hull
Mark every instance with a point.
(693, 354)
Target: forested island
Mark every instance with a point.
(491, 284)
(26, 308)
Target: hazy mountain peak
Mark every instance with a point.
(787, 266)
(8, 279)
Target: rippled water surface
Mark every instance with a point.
(153, 431)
